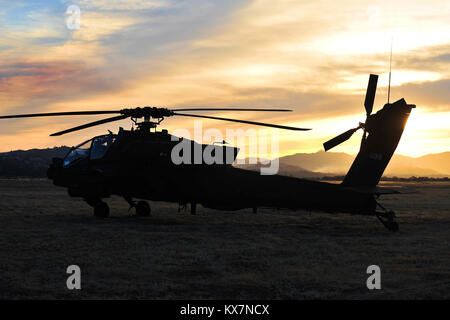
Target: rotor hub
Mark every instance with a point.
(147, 112)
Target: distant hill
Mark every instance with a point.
(287, 170)
(322, 163)
(328, 162)
(29, 163)
(437, 161)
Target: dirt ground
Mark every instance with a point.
(219, 255)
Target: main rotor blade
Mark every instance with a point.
(242, 121)
(339, 139)
(51, 114)
(232, 109)
(370, 93)
(91, 124)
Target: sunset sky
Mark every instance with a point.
(314, 57)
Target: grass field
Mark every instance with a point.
(219, 255)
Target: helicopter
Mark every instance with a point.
(136, 165)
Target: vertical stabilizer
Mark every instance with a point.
(384, 130)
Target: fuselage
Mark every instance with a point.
(139, 165)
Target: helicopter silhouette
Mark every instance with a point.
(136, 164)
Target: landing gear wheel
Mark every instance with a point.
(101, 210)
(193, 208)
(143, 209)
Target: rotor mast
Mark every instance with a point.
(147, 125)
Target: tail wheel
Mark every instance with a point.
(393, 226)
(387, 219)
(143, 209)
(101, 210)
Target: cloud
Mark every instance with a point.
(31, 86)
(434, 95)
(120, 5)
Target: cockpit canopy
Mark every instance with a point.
(94, 149)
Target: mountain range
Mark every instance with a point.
(319, 164)
(34, 163)
(31, 163)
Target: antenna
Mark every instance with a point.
(390, 68)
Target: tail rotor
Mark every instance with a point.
(368, 104)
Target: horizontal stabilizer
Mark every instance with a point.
(377, 190)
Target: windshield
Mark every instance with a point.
(100, 145)
(79, 152)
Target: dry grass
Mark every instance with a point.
(219, 255)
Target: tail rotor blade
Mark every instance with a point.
(339, 139)
(370, 94)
